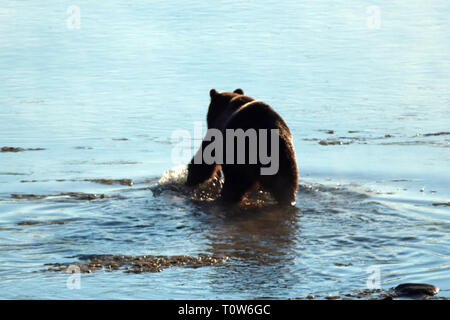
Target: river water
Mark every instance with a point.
(368, 104)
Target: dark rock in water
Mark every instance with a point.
(16, 149)
(445, 204)
(416, 289)
(124, 182)
(14, 174)
(72, 195)
(333, 142)
(32, 223)
(11, 149)
(436, 134)
(27, 196)
(337, 264)
(35, 149)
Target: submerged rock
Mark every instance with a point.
(27, 196)
(333, 142)
(14, 174)
(11, 149)
(445, 204)
(17, 149)
(32, 223)
(137, 264)
(73, 195)
(124, 182)
(83, 148)
(436, 134)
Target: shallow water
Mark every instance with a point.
(104, 100)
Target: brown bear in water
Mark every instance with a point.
(234, 110)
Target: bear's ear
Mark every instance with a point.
(212, 93)
(239, 91)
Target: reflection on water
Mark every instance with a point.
(262, 247)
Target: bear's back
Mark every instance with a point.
(257, 115)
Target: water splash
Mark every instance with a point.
(177, 176)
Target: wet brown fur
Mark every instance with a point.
(234, 110)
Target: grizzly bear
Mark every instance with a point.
(234, 112)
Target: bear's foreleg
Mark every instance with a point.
(200, 172)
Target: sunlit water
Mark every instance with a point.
(104, 100)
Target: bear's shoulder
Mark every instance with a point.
(239, 101)
(258, 114)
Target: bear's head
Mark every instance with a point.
(220, 105)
